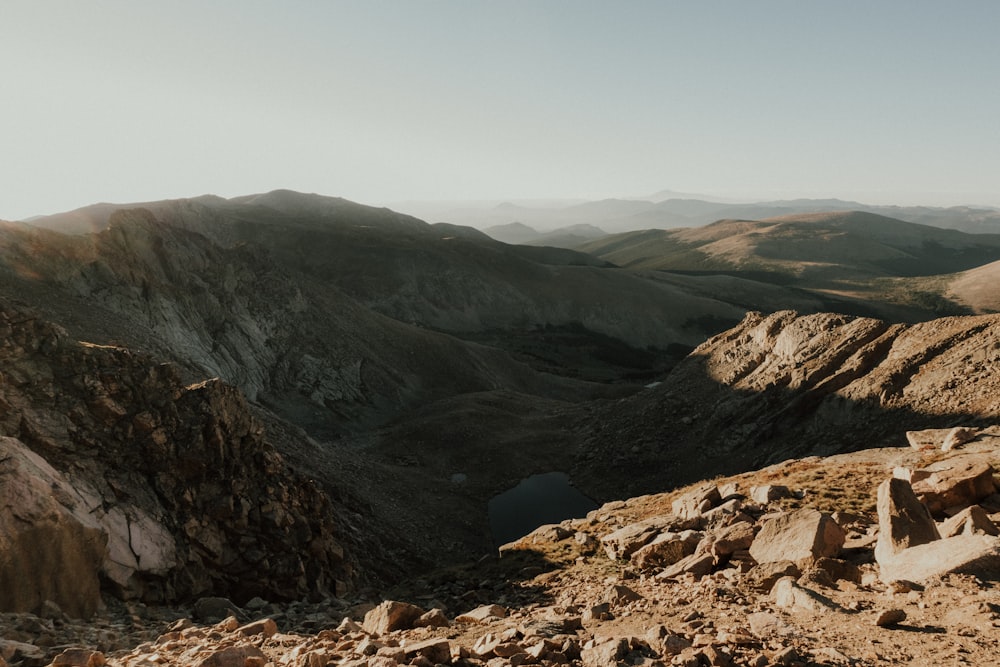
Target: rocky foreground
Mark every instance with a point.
(884, 556)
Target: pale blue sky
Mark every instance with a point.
(378, 101)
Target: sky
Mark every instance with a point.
(383, 101)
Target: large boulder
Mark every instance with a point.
(954, 483)
(802, 536)
(903, 520)
(972, 520)
(978, 555)
(625, 541)
(50, 548)
(392, 615)
(666, 549)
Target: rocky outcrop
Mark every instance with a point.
(782, 385)
(162, 491)
(903, 520)
(911, 547)
(51, 548)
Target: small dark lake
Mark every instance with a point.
(536, 501)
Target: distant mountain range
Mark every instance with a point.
(623, 215)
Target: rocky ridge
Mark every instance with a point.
(117, 475)
(786, 385)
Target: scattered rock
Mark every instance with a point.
(768, 492)
(435, 618)
(215, 609)
(789, 595)
(391, 615)
(79, 657)
(666, 549)
(972, 520)
(890, 617)
(482, 614)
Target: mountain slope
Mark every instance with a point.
(458, 283)
(235, 313)
(785, 385)
(814, 249)
(977, 288)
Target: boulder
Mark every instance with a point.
(215, 609)
(956, 482)
(435, 618)
(265, 627)
(763, 576)
(482, 614)
(234, 656)
(927, 439)
(731, 539)
(801, 536)
(625, 541)
(666, 549)
(978, 555)
(789, 595)
(605, 654)
(903, 520)
(79, 657)
(618, 595)
(697, 564)
(972, 520)
(50, 547)
(391, 615)
(695, 503)
(890, 617)
(437, 650)
(958, 436)
(766, 493)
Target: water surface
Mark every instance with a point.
(536, 501)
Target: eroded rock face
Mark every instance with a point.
(782, 385)
(166, 491)
(50, 548)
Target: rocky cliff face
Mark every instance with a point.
(116, 473)
(786, 385)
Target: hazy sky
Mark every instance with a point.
(886, 102)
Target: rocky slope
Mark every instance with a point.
(118, 476)
(796, 564)
(817, 250)
(786, 385)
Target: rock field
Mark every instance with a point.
(740, 571)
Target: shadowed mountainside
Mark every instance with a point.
(786, 385)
